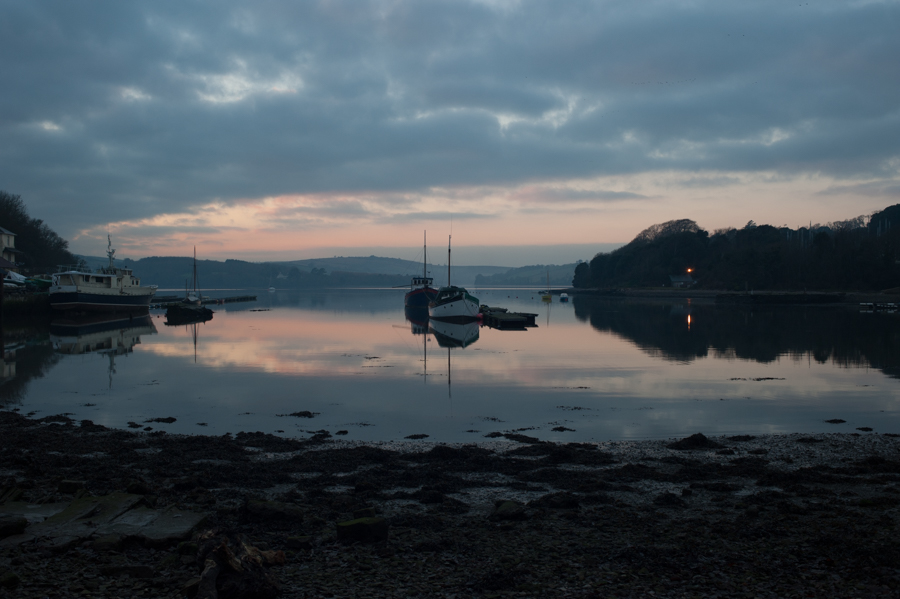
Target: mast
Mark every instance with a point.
(449, 239)
(425, 252)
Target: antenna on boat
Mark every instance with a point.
(110, 252)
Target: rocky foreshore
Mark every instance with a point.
(87, 511)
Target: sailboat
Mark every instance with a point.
(421, 293)
(545, 295)
(453, 303)
(192, 295)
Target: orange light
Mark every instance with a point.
(690, 270)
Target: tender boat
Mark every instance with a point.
(452, 302)
(109, 289)
(563, 297)
(421, 293)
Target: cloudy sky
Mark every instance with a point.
(541, 130)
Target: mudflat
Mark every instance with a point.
(87, 511)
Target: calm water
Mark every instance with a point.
(605, 369)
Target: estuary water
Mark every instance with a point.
(353, 363)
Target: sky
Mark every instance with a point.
(534, 132)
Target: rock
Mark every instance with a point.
(302, 543)
(9, 580)
(557, 501)
(106, 543)
(70, 487)
(365, 512)
(130, 570)
(836, 421)
(668, 500)
(188, 548)
(274, 510)
(695, 441)
(139, 488)
(505, 509)
(12, 525)
(119, 514)
(363, 529)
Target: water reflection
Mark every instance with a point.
(691, 330)
(110, 336)
(606, 369)
(454, 334)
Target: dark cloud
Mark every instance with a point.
(115, 111)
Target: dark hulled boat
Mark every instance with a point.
(421, 293)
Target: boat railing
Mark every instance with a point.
(81, 268)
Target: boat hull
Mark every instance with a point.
(454, 303)
(98, 302)
(420, 298)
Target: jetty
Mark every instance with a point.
(503, 319)
(170, 300)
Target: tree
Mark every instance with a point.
(42, 249)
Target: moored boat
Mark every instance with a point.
(421, 293)
(563, 297)
(109, 289)
(452, 302)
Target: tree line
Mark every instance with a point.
(41, 249)
(862, 253)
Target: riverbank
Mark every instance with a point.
(774, 516)
(848, 298)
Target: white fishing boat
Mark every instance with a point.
(563, 297)
(108, 289)
(452, 302)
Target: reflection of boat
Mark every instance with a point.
(110, 289)
(563, 297)
(453, 302)
(454, 334)
(417, 318)
(118, 336)
(107, 336)
(421, 293)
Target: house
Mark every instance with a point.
(8, 250)
(682, 280)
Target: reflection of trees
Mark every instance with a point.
(33, 360)
(846, 337)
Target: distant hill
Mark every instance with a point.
(530, 276)
(372, 271)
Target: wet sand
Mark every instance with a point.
(771, 516)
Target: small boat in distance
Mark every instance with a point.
(564, 297)
(192, 294)
(545, 295)
(421, 293)
(109, 289)
(453, 303)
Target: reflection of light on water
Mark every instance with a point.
(689, 322)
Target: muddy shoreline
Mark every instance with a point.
(771, 516)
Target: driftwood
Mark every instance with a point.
(234, 569)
